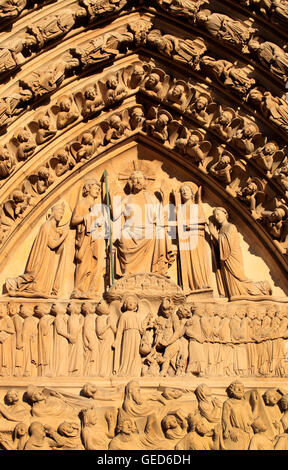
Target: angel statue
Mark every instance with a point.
(193, 248)
(88, 219)
(192, 144)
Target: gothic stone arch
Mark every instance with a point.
(110, 102)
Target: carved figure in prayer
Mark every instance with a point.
(231, 262)
(47, 250)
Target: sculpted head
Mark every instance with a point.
(26, 310)
(271, 397)
(137, 115)
(167, 307)
(58, 309)
(87, 138)
(41, 310)
(201, 103)
(102, 308)
(236, 390)
(62, 156)
(74, 308)
(112, 83)
(187, 192)
(256, 95)
(254, 44)
(169, 422)
(69, 429)
(270, 148)
(126, 426)
(57, 212)
(152, 80)
(3, 310)
(23, 136)
(172, 393)
(225, 118)
(193, 419)
(251, 313)
(20, 430)
(44, 122)
(133, 392)
(35, 394)
(18, 196)
(115, 122)
(87, 308)
(258, 425)
(184, 311)
(13, 309)
(130, 303)
(138, 71)
(65, 104)
(91, 188)
(11, 397)
(203, 429)
(220, 214)
(90, 93)
(37, 430)
(89, 390)
(137, 181)
(284, 403)
(177, 91)
(278, 215)
(202, 16)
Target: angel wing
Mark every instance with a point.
(258, 140)
(165, 85)
(205, 147)
(278, 157)
(173, 129)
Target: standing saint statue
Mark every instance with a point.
(231, 261)
(88, 219)
(191, 235)
(47, 251)
(142, 245)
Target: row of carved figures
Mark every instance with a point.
(239, 177)
(237, 77)
(80, 340)
(246, 420)
(220, 26)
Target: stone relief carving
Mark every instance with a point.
(247, 419)
(44, 339)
